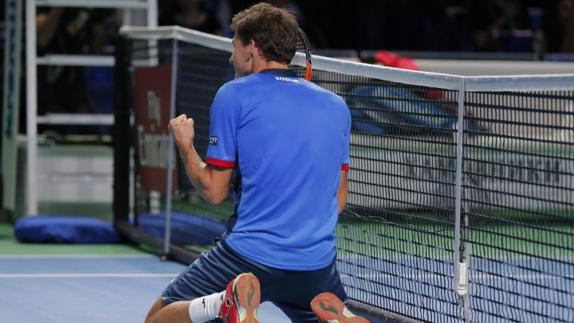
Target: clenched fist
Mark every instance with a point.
(183, 131)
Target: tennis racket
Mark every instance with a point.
(301, 62)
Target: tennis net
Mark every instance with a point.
(461, 189)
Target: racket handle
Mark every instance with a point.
(308, 72)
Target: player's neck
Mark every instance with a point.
(265, 65)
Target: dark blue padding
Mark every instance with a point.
(185, 228)
(64, 229)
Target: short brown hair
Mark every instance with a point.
(273, 29)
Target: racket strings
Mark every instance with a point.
(301, 62)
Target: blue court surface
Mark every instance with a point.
(525, 290)
(71, 289)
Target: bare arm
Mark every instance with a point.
(47, 24)
(211, 182)
(343, 192)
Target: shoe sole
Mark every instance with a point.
(247, 294)
(330, 308)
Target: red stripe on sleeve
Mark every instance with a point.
(345, 167)
(220, 163)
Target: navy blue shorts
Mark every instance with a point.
(290, 290)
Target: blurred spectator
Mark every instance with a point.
(388, 24)
(432, 25)
(75, 30)
(70, 31)
(559, 26)
(500, 25)
(194, 14)
(292, 7)
(289, 5)
(238, 5)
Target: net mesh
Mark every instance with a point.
(519, 193)
(396, 239)
(199, 72)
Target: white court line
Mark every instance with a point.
(89, 275)
(79, 256)
(402, 259)
(472, 277)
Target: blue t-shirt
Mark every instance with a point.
(290, 140)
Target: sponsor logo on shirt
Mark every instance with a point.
(287, 79)
(213, 140)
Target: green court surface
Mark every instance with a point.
(198, 206)
(388, 240)
(415, 236)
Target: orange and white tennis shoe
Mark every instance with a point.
(241, 302)
(329, 308)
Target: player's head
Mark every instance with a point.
(264, 31)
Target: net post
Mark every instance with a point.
(170, 150)
(31, 110)
(460, 280)
(152, 20)
(10, 113)
(121, 132)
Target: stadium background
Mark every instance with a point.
(442, 36)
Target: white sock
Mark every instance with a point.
(205, 308)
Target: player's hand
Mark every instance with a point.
(183, 131)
